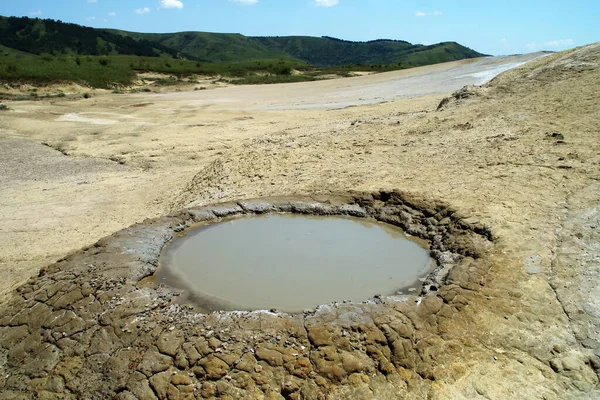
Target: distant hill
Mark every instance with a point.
(44, 51)
(327, 51)
(46, 36)
(37, 36)
(211, 47)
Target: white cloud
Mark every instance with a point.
(555, 44)
(92, 1)
(90, 18)
(245, 2)
(424, 14)
(559, 43)
(504, 43)
(112, 14)
(144, 10)
(326, 3)
(171, 4)
(36, 13)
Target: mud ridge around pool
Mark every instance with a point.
(86, 327)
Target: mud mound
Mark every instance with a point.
(467, 92)
(552, 68)
(542, 71)
(86, 328)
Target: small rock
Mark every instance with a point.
(557, 348)
(571, 363)
(170, 342)
(154, 362)
(595, 362)
(351, 363)
(590, 344)
(181, 379)
(214, 367)
(209, 389)
(320, 381)
(214, 342)
(556, 365)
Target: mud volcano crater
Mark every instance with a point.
(90, 325)
(292, 262)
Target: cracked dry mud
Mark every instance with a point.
(502, 180)
(87, 317)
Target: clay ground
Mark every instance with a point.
(72, 172)
(521, 155)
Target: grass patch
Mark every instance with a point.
(3, 107)
(170, 81)
(118, 71)
(140, 90)
(114, 72)
(52, 69)
(30, 96)
(271, 79)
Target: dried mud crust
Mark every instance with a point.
(85, 327)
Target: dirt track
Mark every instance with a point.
(520, 155)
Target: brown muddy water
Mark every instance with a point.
(292, 262)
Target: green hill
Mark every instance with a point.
(316, 51)
(326, 51)
(211, 47)
(46, 36)
(45, 50)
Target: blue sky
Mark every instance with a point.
(489, 26)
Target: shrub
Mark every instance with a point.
(284, 70)
(270, 79)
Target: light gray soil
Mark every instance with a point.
(363, 90)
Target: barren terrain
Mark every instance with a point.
(519, 156)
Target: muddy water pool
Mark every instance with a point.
(292, 262)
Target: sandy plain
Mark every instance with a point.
(520, 154)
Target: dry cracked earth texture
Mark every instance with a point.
(502, 179)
